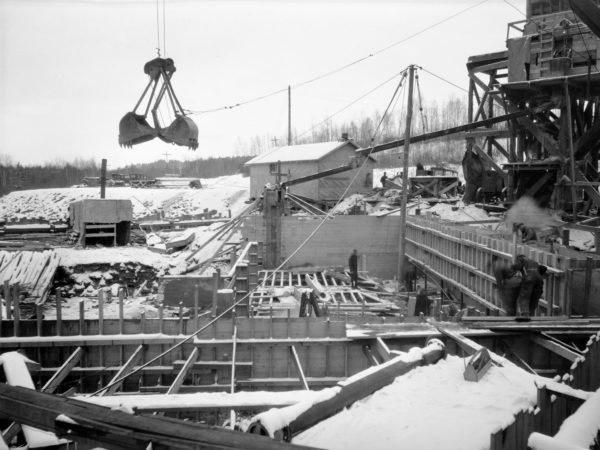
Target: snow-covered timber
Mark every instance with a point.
(81, 421)
(286, 422)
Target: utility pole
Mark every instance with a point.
(409, 110)
(289, 115)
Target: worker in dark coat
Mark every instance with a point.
(531, 279)
(508, 282)
(353, 265)
(383, 179)
(422, 303)
(538, 290)
(528, 234)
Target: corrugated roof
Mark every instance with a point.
(303, 152)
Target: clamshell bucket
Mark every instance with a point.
(183, 131)
(134, 129)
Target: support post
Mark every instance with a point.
(402, 246)
(58, 313)
(289, 115)
(103, 179)
(571, 151)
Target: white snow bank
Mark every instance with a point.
(17, 374)
(582, 427)
(221, 194)
(71, 257)
(429, 407)
(277, 418)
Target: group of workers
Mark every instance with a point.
(519, 284)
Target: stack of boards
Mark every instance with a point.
(32, 271)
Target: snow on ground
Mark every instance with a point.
(458, 212)
(430, 407)
(222, 194)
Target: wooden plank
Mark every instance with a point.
(298, 366)
(63, 371)
(382, 349)
(39, 410)
(123, 372)
(183, 373)
(556, 348)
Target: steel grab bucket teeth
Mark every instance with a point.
(134, 129)
(183, 131)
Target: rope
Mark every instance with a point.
(423, 118)
(349, 105)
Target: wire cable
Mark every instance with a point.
(423, 119)
(444, 79)
(350, 104)
(515, 8)
(157, 30)
(339, 69)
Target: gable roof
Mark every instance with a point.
(299, 153)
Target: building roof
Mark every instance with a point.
(298, 153)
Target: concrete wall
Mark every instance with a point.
(174, 289)
(375, 238)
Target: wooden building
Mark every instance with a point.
(295, 161)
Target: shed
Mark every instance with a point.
(308, 159)
(105, 221)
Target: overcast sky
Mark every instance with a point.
(70, 69)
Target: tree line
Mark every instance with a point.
(371, 129)
(57, 174)
(375, 129)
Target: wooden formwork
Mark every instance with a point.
(461, 256)
(263, 357)
(554, 404)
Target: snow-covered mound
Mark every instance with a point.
(220, 194)
(430, 407)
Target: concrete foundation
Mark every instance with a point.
(375, 238)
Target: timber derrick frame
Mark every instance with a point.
(552, 154)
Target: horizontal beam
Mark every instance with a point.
(454, 130)
(556, 348)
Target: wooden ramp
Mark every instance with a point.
(32, 271)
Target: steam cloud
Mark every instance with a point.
(526, 211)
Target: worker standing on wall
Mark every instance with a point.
(531, 279)
(508, 282)
(353, 265)
(383, 179)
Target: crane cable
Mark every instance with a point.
(164, 29)
(247, 295)
(423, 118)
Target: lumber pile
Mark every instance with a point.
(32, 271)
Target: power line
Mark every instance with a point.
(345, 66)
